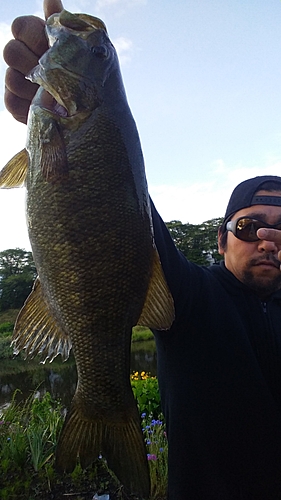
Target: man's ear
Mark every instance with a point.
(221, 248)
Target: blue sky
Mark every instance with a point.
(203, 80)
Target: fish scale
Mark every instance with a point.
(90, 229)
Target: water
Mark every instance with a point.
(60, 378)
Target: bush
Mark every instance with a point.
(6, 351)
(141, 333)
(6, 327)
(146, 392)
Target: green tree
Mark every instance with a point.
(17, 274)
(198, 242)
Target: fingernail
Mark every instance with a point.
(262, 233)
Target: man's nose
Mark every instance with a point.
(267, 246)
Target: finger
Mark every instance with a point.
(17, 106)
(19, 57)
(52, 7)
(270, 235)
(31, 31)
(17, 84)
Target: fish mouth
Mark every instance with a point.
(48, 97)
(49, 103)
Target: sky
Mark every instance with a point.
(203, 81)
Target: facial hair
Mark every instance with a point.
(259, 284)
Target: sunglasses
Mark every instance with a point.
(245, 228)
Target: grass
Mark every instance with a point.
(10, 315)
(29, 431)
(141, 333)
(28, 437)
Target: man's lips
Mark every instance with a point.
(269, 262)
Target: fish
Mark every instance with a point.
(90, 229)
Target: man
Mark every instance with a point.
(220, 363)
(219, 366)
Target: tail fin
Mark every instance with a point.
(120, 443)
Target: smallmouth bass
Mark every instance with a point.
(90, 228)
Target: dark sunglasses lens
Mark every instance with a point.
(246, 229)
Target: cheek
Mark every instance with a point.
(239, 252)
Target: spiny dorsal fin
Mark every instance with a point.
(158, 311)
(37, 332)
(14, 173)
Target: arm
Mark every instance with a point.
(21, 55)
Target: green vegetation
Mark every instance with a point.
(141, 333)
(17, 274)
(198, 242)
(28, 437)
(146, 392)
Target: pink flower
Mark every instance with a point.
(151, 456)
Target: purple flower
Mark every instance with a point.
(151, 456)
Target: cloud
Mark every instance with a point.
(13, 232)
(201, 201)
(13, 136)
(121, 4)
(193, 203)
(124, 47)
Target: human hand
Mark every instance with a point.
(272, 235)
(21, 55)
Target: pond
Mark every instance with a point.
(60, 378)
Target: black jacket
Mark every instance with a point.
(219, 370)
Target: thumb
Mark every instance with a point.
(52, 7)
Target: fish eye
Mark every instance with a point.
(100, 51)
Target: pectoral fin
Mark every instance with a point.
(14, 173)
(54, 163)
(36, 330)
(158, 310)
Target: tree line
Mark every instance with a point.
(17, 274)
(198, 242)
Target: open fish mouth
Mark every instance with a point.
(49, 98)
(49, 103)
(78, 23)
(65, 100)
